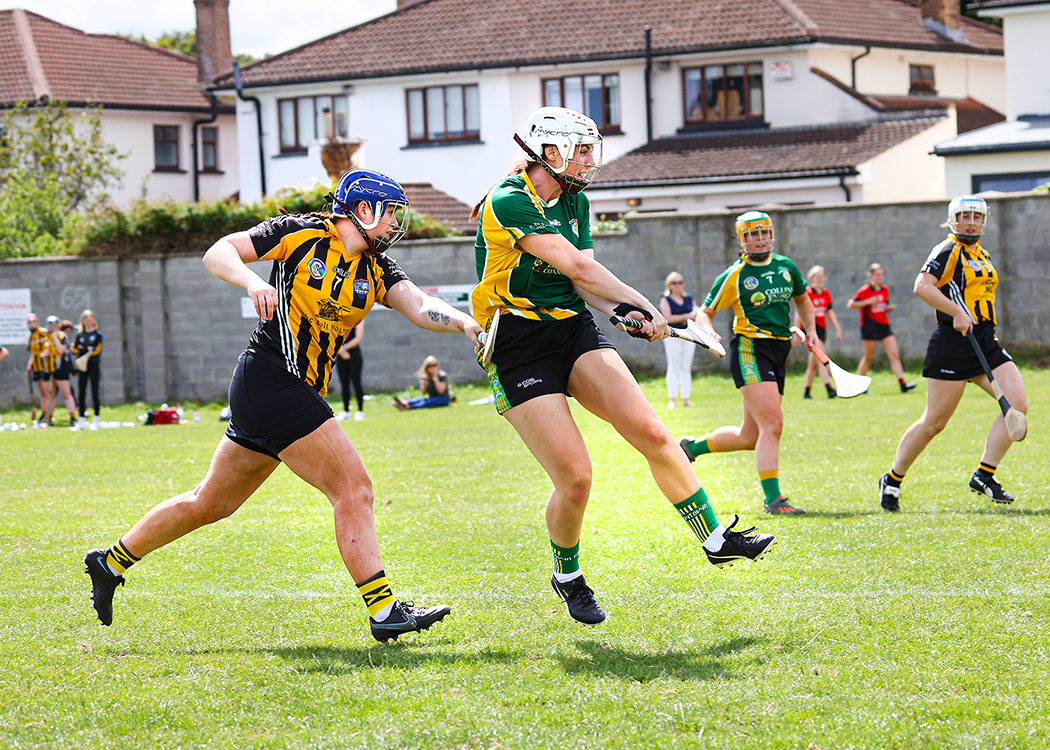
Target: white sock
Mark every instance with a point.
(714, 541)
(566, 577)
(384, 612)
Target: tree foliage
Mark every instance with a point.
(53, 164)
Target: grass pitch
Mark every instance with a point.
(919, 630)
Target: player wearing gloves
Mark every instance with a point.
(536, 267)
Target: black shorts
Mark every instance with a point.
(822, 332)
(64, 370)
(535, 357)
(872, 331)
(270, 408)
(42, 375)
(950, 355)
(755, 360)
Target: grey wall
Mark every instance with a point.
(173, 331)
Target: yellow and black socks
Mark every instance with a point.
(987, 469)
(566, 562)
(770, 481)
(377, 595)
(118, 559)
(698, 514)
(700, 446)
(893, 479)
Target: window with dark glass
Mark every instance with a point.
(922, 81)
(309, 119)
(720, 93)
(210, 149)
(597, 96)
(438, 114)
(166, 146)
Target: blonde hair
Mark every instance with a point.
(673, 276)
(814, 271)
(83, 315)
(431, 360)
(874, 267)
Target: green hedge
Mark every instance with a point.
(168, 227)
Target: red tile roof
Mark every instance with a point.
(758, 154)
(439, 35)
(40, 58)
(439, 206)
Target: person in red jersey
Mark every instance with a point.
(873, 301)
(822, 312)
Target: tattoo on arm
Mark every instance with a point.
(439, 317)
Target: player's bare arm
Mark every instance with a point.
(227, 259)
(429, 312)
(804, 309)
(926, 290)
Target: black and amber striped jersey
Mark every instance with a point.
(322, 293)
(42, 351)
(966, 276)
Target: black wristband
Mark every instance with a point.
(623, 308)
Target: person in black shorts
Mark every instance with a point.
(873, 301)
(536, 268)
(62, 334)
(328, 271)
(958, 280)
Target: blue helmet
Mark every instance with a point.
(380, 193)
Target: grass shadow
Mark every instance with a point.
(605, 660)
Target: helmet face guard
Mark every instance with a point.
(957, 210)
(576, 139)
(382, 194)
(755, 226)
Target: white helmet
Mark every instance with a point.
(967, 203)
(567, 131)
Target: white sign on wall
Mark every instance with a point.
(781, 71)
(15, 304)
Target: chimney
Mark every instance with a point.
(943, 17)
(214, 53)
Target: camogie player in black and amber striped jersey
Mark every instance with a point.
(328, 271)
(958, 280)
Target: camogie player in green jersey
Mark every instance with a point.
(757, 288)
(537, 276)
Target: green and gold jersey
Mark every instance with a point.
(759, 295)
(42, 351)
(322, 293)
(966, 276)
(510, 278)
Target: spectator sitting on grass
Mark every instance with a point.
(433, 385)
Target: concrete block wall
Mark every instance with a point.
(173, 331)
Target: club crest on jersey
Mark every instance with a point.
(974, 265)
(758, 299)
(360, 287)
(317, 268)
(786, 274)
(575, 225)
(750, 283)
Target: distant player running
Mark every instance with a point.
(757, 288)
(535, 263)
(328, 272)
(959, 281)
(823, 314)
(873, 301)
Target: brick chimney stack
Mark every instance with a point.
(943, 16)
(214, 53)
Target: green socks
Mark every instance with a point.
(698, 513)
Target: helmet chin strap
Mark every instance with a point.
(968, 239)
(567, 187)
(353, 220)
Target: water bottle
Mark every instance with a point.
(196, 416)
(178, 411)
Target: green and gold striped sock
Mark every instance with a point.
(566, 560)
(698, 513)
(770, 481)
(376, 593)
(118, 559)
(700, 446)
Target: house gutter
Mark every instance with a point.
(196, 142)
(853, 67)
(648, 84)
(258, 120)
(845, 188)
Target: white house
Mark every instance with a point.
(153, 107)
(1012, 156)
(436, 88)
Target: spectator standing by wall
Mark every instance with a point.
(88, 342)
(678, 307)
